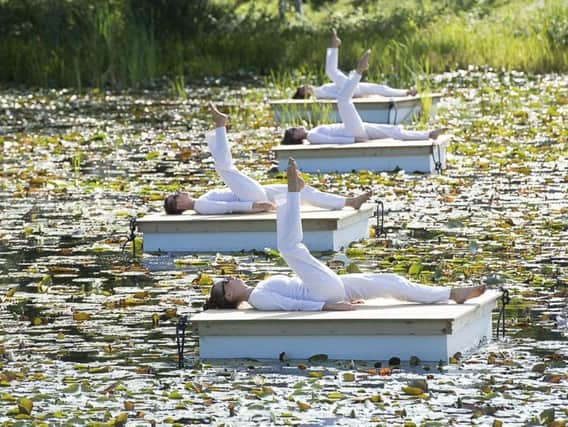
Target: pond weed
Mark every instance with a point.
(496, 216)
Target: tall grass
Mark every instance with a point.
(128, 43)
(533, 39)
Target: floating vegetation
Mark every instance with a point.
(88, 331)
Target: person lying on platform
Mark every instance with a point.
(353, 129)
(331, 90)
(244, 193)
(315, 286)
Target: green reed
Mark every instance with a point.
(126, 43)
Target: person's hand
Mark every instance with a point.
(263, 206)
(335, 41)
(411, 92)
(338, 306)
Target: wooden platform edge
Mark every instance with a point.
(282, 323)
(377, 99)
(378, 144)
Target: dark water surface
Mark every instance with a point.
(88, 330)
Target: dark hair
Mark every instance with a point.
(301, 93)
(217, 296)
(170, 205)
(289, 137)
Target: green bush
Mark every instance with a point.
(131, 43)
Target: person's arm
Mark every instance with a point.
(271, 301)
(315, 137)
(214, 207)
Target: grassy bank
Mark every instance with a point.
(128, 43)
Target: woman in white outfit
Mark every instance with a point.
(315, 286)
(331, 90)
(353, 129)
(244, 193)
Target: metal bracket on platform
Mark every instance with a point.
(180, 339)
(437, 163)
(392, 106)
(131, 237)
(380, 218)
(505, 299)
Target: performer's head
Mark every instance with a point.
(303, 92)
(294, 135)
(227, 292)
(177, 203)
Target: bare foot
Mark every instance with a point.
(356, 202)
(219, 118)
(295, 181)
(363, 64)
(461, 295)
(335, 41)
(436, 133)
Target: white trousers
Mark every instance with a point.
(362, 131)
(325, 285)
(247, 189)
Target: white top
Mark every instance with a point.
(283, 293)
(330, 134)
(221, 202)
(339, 134)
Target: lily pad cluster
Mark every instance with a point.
(88, 329)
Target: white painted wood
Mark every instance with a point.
(372, 109)
(474, 334)
(337, 347)
(376, 155)
(323, 230)
(430, 331)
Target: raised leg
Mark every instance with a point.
(349, 116)
(244, 187)
(331, 61)
(321, 282)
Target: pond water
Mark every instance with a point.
(88, 331)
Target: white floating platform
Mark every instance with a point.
(372, 109)
(380, 155)
(323, 230)
(431, 332)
